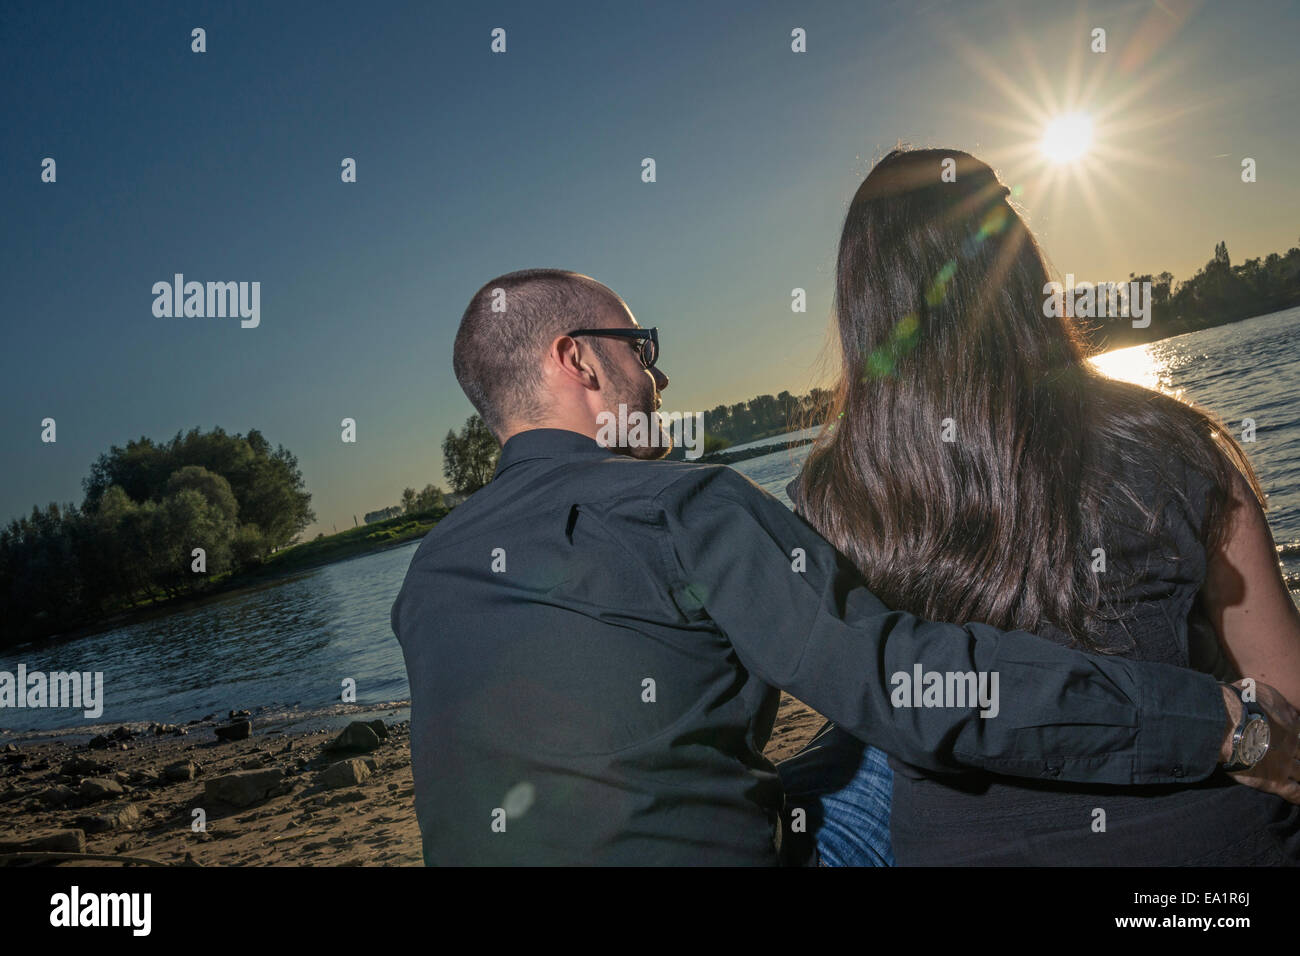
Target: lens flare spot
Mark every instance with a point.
(1067, 137)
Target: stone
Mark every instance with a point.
(380, 729)
(244, 787)
(83, 767)
(99, 788)
(119, 818)
(347, 796)
(57, 841)
(56, 796)
(345, 773)
(239, 730)
(356, 736)
(99, 742)
(180, 771)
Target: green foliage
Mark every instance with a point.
(147, 507)
(1217, 294)
(713, 443)
(762, 417)
(267, 485)
(470, 458)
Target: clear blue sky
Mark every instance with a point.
(225, 166)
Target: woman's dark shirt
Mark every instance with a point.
(982, 819)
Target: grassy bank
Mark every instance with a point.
(326, 549)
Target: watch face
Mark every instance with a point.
(1254, 741)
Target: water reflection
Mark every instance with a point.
(1139, 364)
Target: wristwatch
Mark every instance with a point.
(1250, 738)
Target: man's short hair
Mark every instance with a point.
(498, 354)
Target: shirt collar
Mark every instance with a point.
(546, 443)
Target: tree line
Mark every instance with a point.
(147, 507)
(1217, 294)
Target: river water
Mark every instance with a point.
(283, 650)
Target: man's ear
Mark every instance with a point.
(570, 360)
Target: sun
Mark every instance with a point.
(1067, 137)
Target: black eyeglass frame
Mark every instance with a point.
(649, 340)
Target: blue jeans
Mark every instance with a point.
(845, 786)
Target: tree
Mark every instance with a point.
(430, 499)
(470, 458)
(408, 500)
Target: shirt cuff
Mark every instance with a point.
(1180, 726)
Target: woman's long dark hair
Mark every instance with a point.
(940, 291)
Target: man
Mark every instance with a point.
(596, 639)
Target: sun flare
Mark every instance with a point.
(1067, 137)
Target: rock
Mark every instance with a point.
(180, 771)
(345, 773)
(57, 841)
(119, 818)
(99, 788)
(356, 736)
(56, 796)
(236, 714)
(380, 729)
(347, 796)
(144, 778)
(99, 742)
(122, 777)
(121, 733)
(11, 748)
(239, 730)
(244, 787)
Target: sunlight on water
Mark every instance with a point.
(1137, 364)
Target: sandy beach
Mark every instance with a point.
(274, 798)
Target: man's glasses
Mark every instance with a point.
(647, 346)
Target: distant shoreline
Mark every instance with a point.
(226, 586)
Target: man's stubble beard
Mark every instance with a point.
(638, 396)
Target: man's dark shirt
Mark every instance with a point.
(595, 646)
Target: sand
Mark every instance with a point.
(298, 815)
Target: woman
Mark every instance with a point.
(976, 468)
